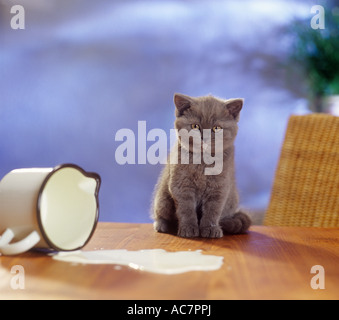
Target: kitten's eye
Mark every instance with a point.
(195, 127)
(216, 128)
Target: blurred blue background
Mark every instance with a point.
(82, 70)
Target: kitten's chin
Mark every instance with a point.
(205, 149)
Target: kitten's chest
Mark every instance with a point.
(186, 180)
(203, 183)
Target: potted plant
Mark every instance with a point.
(317, 52)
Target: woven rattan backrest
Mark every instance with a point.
(306, 185)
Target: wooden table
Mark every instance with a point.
(266, 263)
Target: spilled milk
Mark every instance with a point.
(150, 260)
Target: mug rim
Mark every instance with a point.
(41, 190)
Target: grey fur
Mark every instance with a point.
(188, 202)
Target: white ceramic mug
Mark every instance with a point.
(55, 208)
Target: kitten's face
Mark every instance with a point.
(209, 118)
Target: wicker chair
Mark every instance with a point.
(306, 186)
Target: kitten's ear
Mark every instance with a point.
(234, 106)
(182, 103)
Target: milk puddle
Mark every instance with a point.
(152, 260)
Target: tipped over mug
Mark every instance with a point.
(54, 208)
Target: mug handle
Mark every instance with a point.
(18, 247)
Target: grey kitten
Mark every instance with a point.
(187, 201)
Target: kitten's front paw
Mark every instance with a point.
(188, 231)
(211, 232)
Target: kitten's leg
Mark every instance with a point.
(164, 212)
(187, 216)
(211, 212)
(238, 223)
(165, 226)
